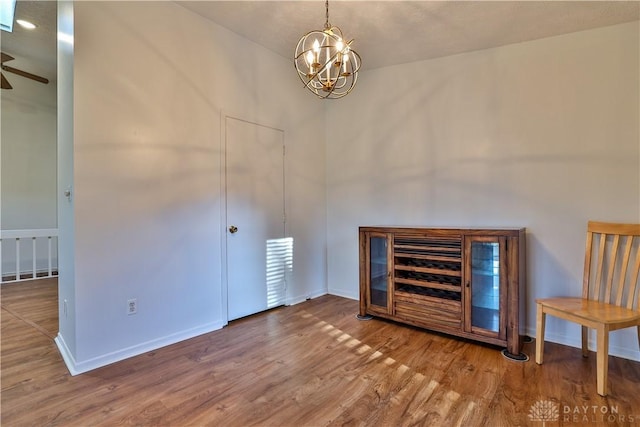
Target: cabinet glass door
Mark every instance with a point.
(378, 271)
(486, 285)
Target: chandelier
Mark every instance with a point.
(326, 64)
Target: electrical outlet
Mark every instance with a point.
(132, 306)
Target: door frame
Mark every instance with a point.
(224, 277)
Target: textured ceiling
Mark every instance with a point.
(34, 50)
(385, 32)
(395, 32)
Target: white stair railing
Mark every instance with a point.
(11, 254)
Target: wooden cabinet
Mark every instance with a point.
(462, 281)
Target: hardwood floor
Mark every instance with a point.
(312, 364)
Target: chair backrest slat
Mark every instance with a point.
(611, 267)
(623, 272)
(618, 246)
(587, 265)
(635, 289)
(601, 249)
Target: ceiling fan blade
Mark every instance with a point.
(25, 74)
(5, 83)
(6, 57)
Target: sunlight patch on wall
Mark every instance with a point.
(279, 268)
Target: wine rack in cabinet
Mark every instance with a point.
(428, 279)
(462, 281)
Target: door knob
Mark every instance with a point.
(233, 229)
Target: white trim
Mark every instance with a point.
(224, 290)
(299, 298)
(576, 342)
(67, 355)
(41, 273)
(344, 294)
(76, 367)
(24, 234)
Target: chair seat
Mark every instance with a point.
(591, 310)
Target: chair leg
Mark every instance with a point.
(585, 341)
(540, 323)
(602, 359)
(638, 336)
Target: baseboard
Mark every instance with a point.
(302, 298)
(10, 277)
(344, 294)
(75, 367)
(66, 354)
(576, 342)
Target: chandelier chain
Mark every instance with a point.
(326, 22)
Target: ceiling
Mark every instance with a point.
(395, 32)
(34, 50)
(385, 32)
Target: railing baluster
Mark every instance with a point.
(33, 256)
(32, 272)
(49, 271)
(7, 236)
(17, 258)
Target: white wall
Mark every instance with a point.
(543, 135)
(28, 167)
(28, 157)
(150, 82)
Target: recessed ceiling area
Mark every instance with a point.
(395, 32)
(34, 50)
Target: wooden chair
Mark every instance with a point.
(610, 292)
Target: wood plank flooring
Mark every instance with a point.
(312, 364)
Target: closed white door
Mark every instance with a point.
(254, 166)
